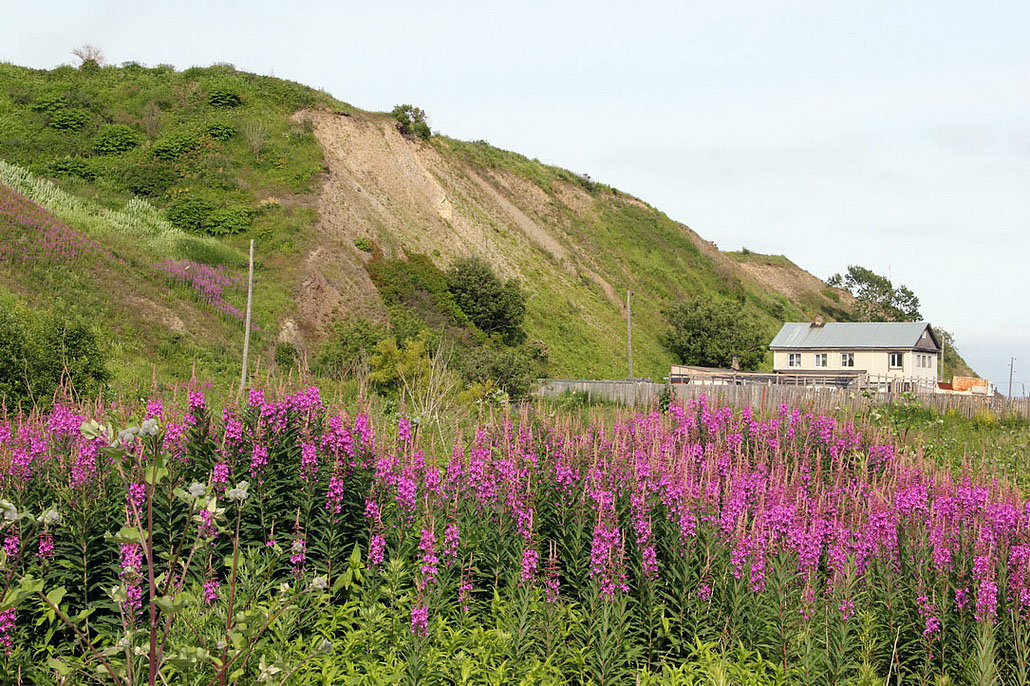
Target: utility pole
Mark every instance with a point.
(629, 335)
(246, 324)
(1012, 362)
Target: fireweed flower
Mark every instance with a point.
(420, 620)
(220, 473)
(8, 624)
(530, 558)
(450, 543)
(46, 546)
(376, 549)
(258, 460)
(308, 460)
(12, 545)
(211, 591)
(334, 494)
(428, 559)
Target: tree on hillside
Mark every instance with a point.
(411, 121)
(710, 333)
(878, 299)
(89, 56)
(494, 306)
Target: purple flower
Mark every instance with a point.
(420, 620)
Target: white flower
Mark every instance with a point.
(319, 583)
(51, 517)
(238, 493)
(298, 546)
(149, 427)
(127, 435)
(326, 646)
(10, 511)
(197, 489)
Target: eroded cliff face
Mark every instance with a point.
(576, 247)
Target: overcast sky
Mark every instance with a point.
(895, 135)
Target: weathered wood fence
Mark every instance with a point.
(633, 393)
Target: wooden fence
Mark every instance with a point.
(633, 393)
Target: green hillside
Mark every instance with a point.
(165, 169)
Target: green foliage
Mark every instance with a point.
(223, 97)
(68, 119)
(228, 221)
(286, 355)
(220, 131)
(149, 180)
(348, 343)
(363, 244)
(72, 166)
(494, 306)
(513, 370)
(115, 139)
(411, 121)
(878, 299)
(174, 147)
(41, 351)
(711, 333)
(189, 214)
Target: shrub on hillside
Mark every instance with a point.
(71, 119)
(150, 180)
(115, 139)
(40, 351)
(221, 96)
(494, 306)
(711, 333)
(411, 121)
(220, 131)
(189, 214)
(72, 166)
(228, 221)
(347, 344)
(174, 147)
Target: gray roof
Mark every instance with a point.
(855, 335)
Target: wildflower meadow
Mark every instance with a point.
(279, 540)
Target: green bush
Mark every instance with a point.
(41, 351)
(115, 139)
(494, 306)
(411, 121)
(363, 244)
(150, 180)
(348, 342)
(189, 214)
(72, 166)
(286, 355)
(220, 131)
(228, 221)
(174, 147)
(68, 119)
(711, 333)
(220, 96)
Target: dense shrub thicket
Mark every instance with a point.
(279, 540)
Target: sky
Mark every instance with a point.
(893, 135)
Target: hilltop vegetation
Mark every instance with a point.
(172, 172)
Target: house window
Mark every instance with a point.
(894, 360)
(847, 359)
(794, 360)
(820, 359)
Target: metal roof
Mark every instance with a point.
(853, 335)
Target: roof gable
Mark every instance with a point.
(856, 335)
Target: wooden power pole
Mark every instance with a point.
(246, 323)
(629, 336)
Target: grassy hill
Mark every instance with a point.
(169, 171)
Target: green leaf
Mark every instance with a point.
(128, 534)
(58, 666)
(156, 472)
(56, 595)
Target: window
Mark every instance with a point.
(894, 360)
(820, 359)
(847, 359)
(794, 360)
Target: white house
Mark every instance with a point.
(888, 350)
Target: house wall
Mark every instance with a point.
(874, 362)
